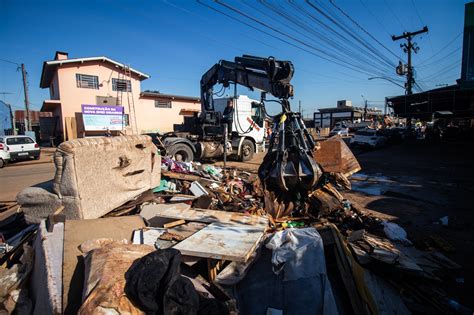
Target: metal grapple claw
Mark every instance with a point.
(288, 165)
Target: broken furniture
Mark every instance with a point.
(115, 168)
(229, 236)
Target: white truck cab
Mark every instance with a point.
(247, 125)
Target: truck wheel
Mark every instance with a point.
(181, 152)
(247, 151)
(2, 163)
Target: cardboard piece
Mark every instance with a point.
(335, 156)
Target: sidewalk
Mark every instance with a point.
(45, 157)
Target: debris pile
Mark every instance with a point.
(208, 240)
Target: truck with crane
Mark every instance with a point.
(288, 165)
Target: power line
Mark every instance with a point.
(395, 15)
(423, 23)
(243, 22)
(349, 32)
(444, 70)
(203, 18)
(340, 47)
(443, 48)
(376, 19)
(363, 29)
(8, 61)
(324, 25)
(440, 59)
(331, 58)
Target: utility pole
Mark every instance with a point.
(408, 48)
(27, 100)
(299, 106)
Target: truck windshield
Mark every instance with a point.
(257, 114)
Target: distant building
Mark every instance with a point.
(5, 119)
(39, 123)
(344, 111)
(90, 95)
(454, 101)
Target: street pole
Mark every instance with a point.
(408, 48)
(225, 146)
(27, 100)
(365, 110)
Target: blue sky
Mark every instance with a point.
(177, 41)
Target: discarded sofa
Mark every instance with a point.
(94, 176)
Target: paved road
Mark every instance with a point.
(13, 179)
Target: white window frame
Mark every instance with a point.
(163, 103)
(87, 81)
(122, 85)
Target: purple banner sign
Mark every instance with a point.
(101, 110)
(102, 117)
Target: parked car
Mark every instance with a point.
(369, 137)
(21, 147)
(339, 131)
(4, 154)
(393, 135)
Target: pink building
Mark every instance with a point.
(103, 81)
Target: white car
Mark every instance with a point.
(339, 131)
(4, 154)
(369, 137)
(19, 147)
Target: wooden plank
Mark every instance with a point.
(68, 127)
(174, 223)
(188, 177)
(73, 128)
(204, 215)
(182, 176)
(225, 241)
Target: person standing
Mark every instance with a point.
(228, 115)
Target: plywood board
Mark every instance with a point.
(227, 241)
(205, 215)
(335, 156)
(68, 127)
(75, 233)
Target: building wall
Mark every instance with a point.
(152, 119)
(54, 88)
(148, 117)
(72, 97)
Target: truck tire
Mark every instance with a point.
(181, 152)
(247, 151)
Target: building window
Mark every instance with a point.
(126, 120)
(121, 85)
(87, 81)
(163, 103)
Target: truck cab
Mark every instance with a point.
(247, 125)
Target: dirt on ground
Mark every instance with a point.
(415, 184)
(428, 189)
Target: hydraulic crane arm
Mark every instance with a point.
(266, 74)
(288, 165)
